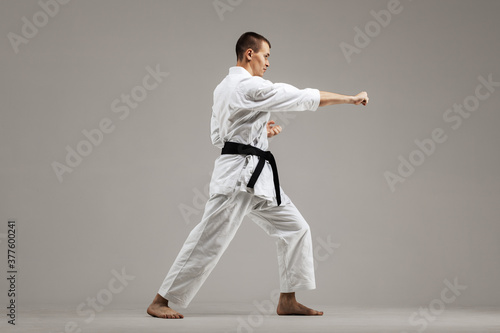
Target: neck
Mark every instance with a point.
(245, 66)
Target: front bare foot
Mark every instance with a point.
(288, 305)
(159, 308)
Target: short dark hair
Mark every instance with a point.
(249, 40)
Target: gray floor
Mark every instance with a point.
(244, 318)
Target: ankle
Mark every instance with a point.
(287, 297)
(160, 300)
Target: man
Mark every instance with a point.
(245, 182)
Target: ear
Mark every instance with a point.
(248, 54)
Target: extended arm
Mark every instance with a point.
(329, 98)
(325, 98)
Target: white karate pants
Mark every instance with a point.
(209, 239)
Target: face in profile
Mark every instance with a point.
(260, 60)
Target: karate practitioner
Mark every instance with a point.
(245, 183)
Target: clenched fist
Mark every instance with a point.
(272, 130)
(361, 98)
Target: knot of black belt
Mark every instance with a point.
(242, 149)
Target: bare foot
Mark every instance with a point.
(159, 308)
(288, 305)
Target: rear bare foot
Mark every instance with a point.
(159, 308)
(288, 305)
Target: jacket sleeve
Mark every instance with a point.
(263, 95)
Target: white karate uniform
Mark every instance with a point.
(241, 110)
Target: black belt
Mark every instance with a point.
(241, 149)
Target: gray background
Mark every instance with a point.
(121, 207)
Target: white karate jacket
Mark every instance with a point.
(241, 109)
